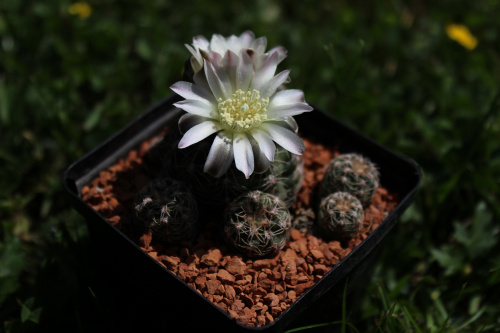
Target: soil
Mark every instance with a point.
(253, 291)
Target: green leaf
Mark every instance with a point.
(12, 263)
(4, 104)
(30, 315)
(93, 118)
(449, 258)
(481, 235)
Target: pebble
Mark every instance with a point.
(254, 292)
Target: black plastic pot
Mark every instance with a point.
(138, 293)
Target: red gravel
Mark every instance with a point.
(252, 291)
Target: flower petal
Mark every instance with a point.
(282, 52)
(265, 72)
(244, 71)
(265, 143)
(259, 45)
(211, 56)
(200, 79)
(220, 157)
(287, 110)
(198, 132)
(246, 38)
(218, 81)
(288, 96)
(290, 123)
(261, 161)
(196, 58)
(243, 154)
(268, 89)
(189, 120)
(286, 122)
(218, 44)
(196, 107)
(285, 138)
(192, 91)
(230, 63)
(200, 42)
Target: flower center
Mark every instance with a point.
(243, 110)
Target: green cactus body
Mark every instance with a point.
(340, 215)
(168, 209)
(283, 178)
(351, 173)
(257, 224)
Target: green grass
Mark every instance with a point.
(386, 68)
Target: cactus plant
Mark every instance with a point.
(340, 215)
(257, 224)
(351, 173)
(283, 178)
(168, 209)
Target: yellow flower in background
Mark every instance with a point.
(461, 35)
(81, 8)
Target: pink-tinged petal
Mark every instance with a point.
(290, 123)
(211, 56)
(196, 58)
(270, 88)
(282, 52)
(200, 42)
(220, 157)
(265, 72)
(243, 154)
(193, 92)
(247, 38)
(285, 138)
(197, 133)
(261, 161)
(286, 122)
(275, 112)
(196, 107)
(286, 97)
(265, 143)
(189, 120)
(259, 45)
(200, 79)
(230, 63)
(218, 43)
(232, 41)
(244, 71)
(220, 86)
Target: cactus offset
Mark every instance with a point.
(340, 215)
(351, 173)
(257, 224)
(168, 209)
(283, 178)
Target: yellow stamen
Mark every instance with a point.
(243, 110)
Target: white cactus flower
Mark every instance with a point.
(242, 105)
(219, 45)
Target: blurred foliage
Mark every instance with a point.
(69, 79)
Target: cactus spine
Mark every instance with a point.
(351, 173)
(168, 209)
(340, 215)
(257, 224)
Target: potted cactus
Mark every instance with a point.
(203, 197)
(257, 224)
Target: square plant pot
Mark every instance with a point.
(136, 292)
